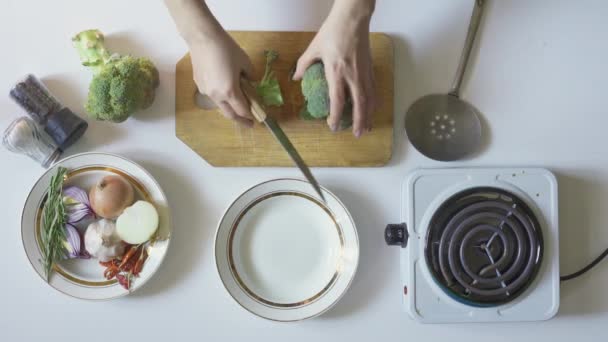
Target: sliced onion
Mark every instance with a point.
(77, 204)
(77, 212)
(75, 194)
(74, 244)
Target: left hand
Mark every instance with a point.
(342, 44)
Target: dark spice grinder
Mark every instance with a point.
(58, 121)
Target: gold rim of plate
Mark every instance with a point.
(251, 293)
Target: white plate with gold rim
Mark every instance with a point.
(283, 254)
(83, 278)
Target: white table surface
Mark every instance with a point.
(538, 76)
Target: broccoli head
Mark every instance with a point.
(121, 85)
(316, 91)
(316, 95)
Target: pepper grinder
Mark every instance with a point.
(58, 121)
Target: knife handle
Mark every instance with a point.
(257, 109)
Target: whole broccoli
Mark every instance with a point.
(316, 96)
(121, 85)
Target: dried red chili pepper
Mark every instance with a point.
(123, 280)
(128, 255)
(128, 267)
(139, 265)
(107, 263)
(111, 272)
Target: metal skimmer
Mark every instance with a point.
(443, 126)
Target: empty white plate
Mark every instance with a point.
(283, 254)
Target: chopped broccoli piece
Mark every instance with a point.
(268, 88)
(316, 95)
(121, 85)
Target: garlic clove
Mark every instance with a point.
(102, 242)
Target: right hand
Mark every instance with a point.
(218, 64)
(343, 45)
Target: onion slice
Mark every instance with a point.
(137, 223)
(74, 244)
(77, 204)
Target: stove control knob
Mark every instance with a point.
(396, 235)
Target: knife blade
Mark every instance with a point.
(281, 137)
(260, 114)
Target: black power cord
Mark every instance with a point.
(586, 268)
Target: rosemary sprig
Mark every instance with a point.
(53, 224)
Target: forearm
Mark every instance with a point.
(194, 20)
(356, 10)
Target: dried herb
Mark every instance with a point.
(53, 224)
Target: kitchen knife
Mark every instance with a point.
(257, 109)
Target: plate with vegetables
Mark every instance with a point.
(96, 226)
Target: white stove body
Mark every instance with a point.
(424, 191)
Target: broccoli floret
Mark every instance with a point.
(316, 91)
(121, 85)
(268, 88)
(316, 95)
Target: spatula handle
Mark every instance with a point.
(257, 109)
(468, 46)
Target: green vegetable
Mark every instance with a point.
(268, 88)
(316, 95)
(121, 85)
(52, 233)
(305, 115)
(316, 91)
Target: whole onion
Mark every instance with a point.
(110, 196)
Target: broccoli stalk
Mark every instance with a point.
(121, 85)
(91, 50)
(316, 95)
(268, 88)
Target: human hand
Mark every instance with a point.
(218, 64)
(342, 44)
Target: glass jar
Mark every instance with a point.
(23, 136)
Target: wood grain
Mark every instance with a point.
(222, 142)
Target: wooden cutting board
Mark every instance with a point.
(222, 142)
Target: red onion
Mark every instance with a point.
(74, 243)
(77, 204)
